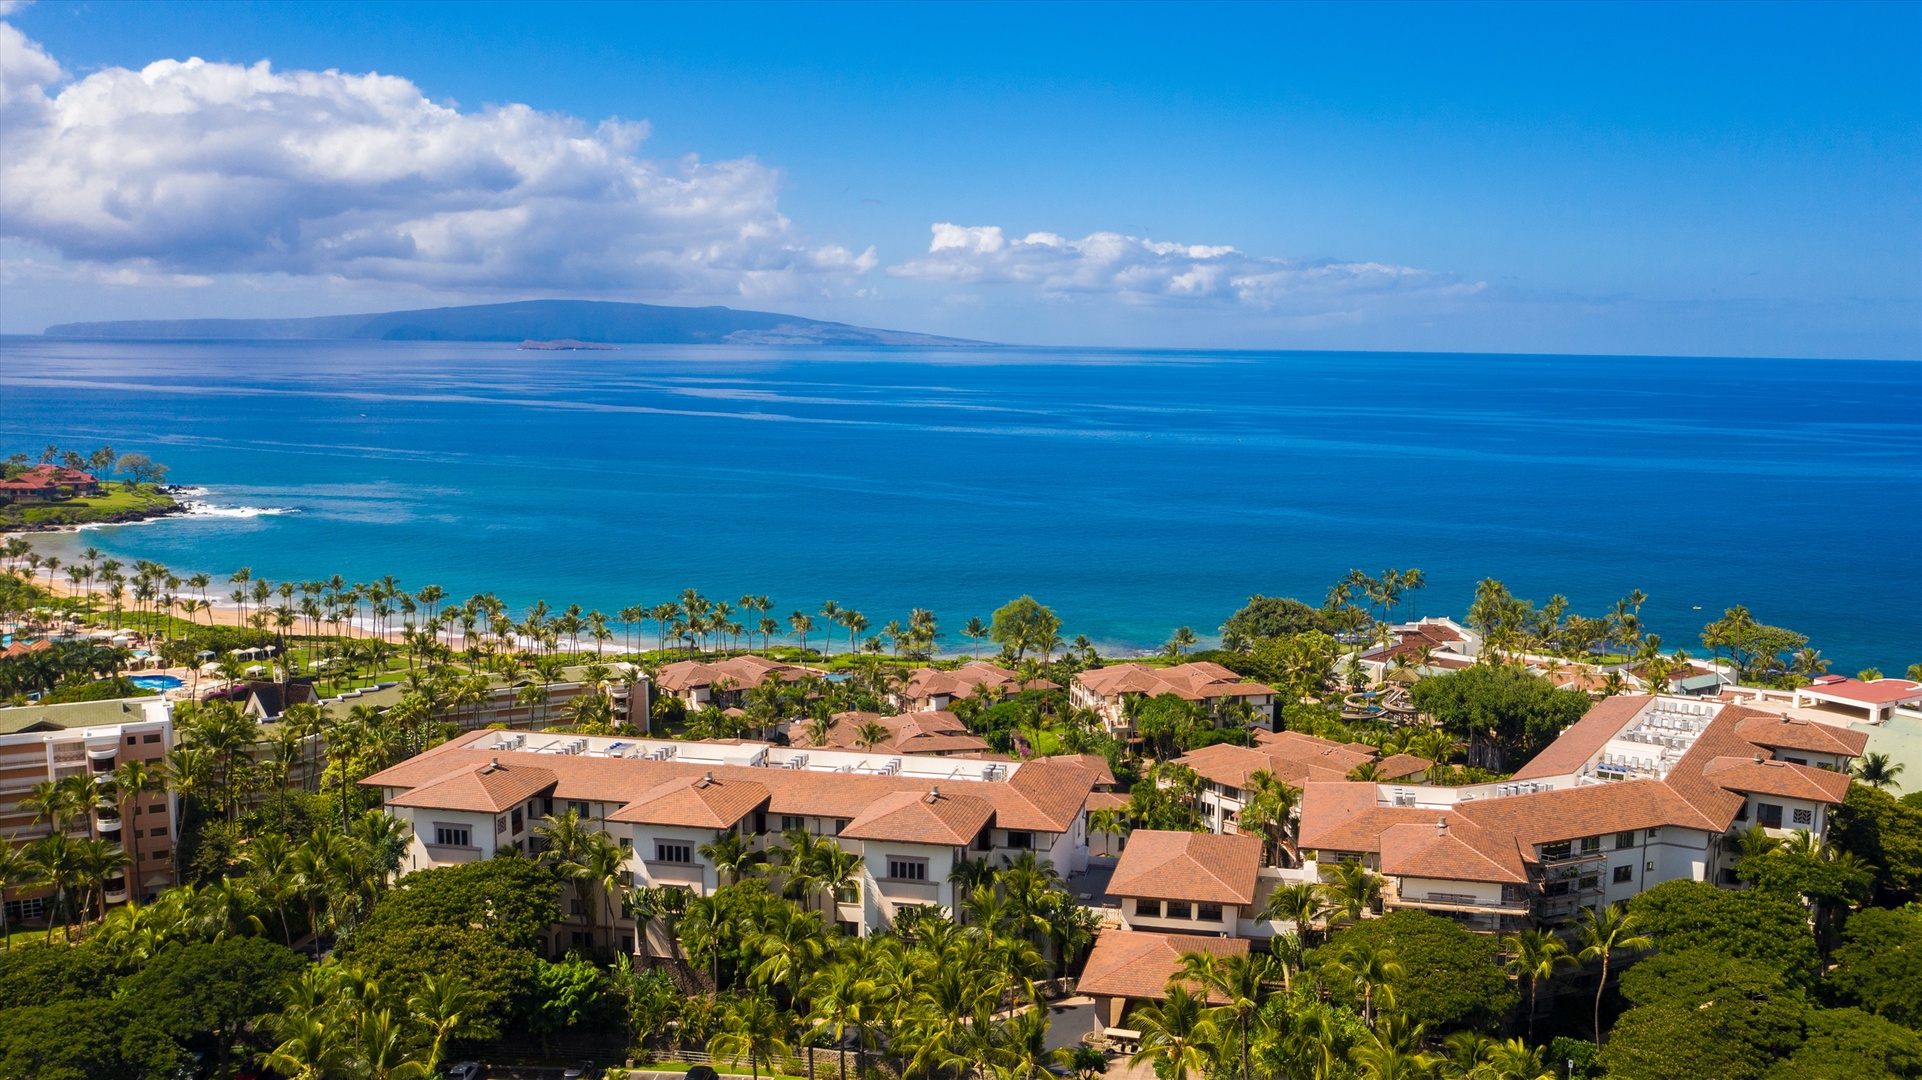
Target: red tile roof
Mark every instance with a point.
(695, 801)
(933, 732)
(1167, 865)
(1796, 734)
(1879, 692)
(925, 817)
(1199, 681)
(1138, 965)
(742, 672)
(1778, 778)
(490, 786)
(1453, 849)
(1585, 737)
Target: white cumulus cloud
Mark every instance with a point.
(1138, 270)
(196, 168)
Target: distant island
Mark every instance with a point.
(538, 323)
(568, 345)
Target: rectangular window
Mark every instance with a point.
(1178, 909)
(848, 894)
(500, 824)
(1207, 912)
(1768, 815)
(1590, 881)
(1557, 850)
(160, 855)
(1022, 841)
(579, 808)
(1624, 875)
(1653, 833)
(1591, 844)
(839, 824)
(1625, 839)
(158, 830)
(154, 738)
(453, 836)
(627, 943)
(903, 869)
(518, 820)
(26, 909)
(1804, 816)
(1555, 888)
(159, 809)
(1796, 760)
(672, 853)
(131, 740)
(790, 821)
(627, 843)
(574, 908)
(627, 878)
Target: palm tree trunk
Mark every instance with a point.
(1599, 987)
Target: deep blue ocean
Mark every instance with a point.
(1134, 492)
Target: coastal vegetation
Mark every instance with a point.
(141, 491)
(293, 944)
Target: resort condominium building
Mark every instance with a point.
(1642, 790)
(1108, 690)
(90, 739)
(909, 819)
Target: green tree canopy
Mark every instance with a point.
(1501, 706)
(1848, 1044)
(211, 989)
(92, 1039)
(402, 957)
(1450, 977)
(1272, 617)
(42, 976)
(1684, 916)
(1023, 625)
(514, 899)
(1701, 1014)
(1886, 833)
(1879, 965)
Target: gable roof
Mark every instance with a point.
(1166, 865)
(1763, 777)
(1585, 737)
(933, 732)
(701, 802)
(490, 787)
(1453, 849)
(1137, 964)
(1794, 733)
(928, 817)
(1197, 681)
(743, 672)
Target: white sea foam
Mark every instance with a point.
(203, 509)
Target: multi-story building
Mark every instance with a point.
(931, 689)
(937, 732)
(722, 684)
(1288, 756)
(1108, 690)
(909, 819)
(92, 738)
(1641, 791)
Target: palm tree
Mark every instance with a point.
(1877, 771)
(1535, 956)
(15, 870)
(310, 1047)
(1602, 933)
(975, 631)
(870, 734)
(1241, 980)
(55, 863)
(844, 1001)
(1352, 889)
(450, 1009)
(1301, 903)
(832, 612)
(1371, 970)
(731, 856)
(753, 1029)
(1178, 1036)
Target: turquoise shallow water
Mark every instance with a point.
(1135, 492)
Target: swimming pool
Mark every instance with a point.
(157, 682)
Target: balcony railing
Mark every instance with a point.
(1566, 858)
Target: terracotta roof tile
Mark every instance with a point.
(926, 817)
(1188, 866)
(488, 786)
(1134, 964)
(1585, 737)
(695, 801)
(744, 672)
(1199, 681)
(1778, 778)
(1453, 849)
(1797, 734)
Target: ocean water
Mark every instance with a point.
(1134, 492)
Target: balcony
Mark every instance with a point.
(107, 825)
(1569, 858)
(905, 891)
(452, 853)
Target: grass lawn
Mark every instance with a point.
(116, 501)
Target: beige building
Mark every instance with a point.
(909, 819)
(1108, 690)
(91, 739)
(1641, 791)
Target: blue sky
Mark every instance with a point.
(1664, 179)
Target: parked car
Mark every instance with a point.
(580, 1070)
(464, 1070)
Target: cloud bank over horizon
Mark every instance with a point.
(188, 173)
(186, 169)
